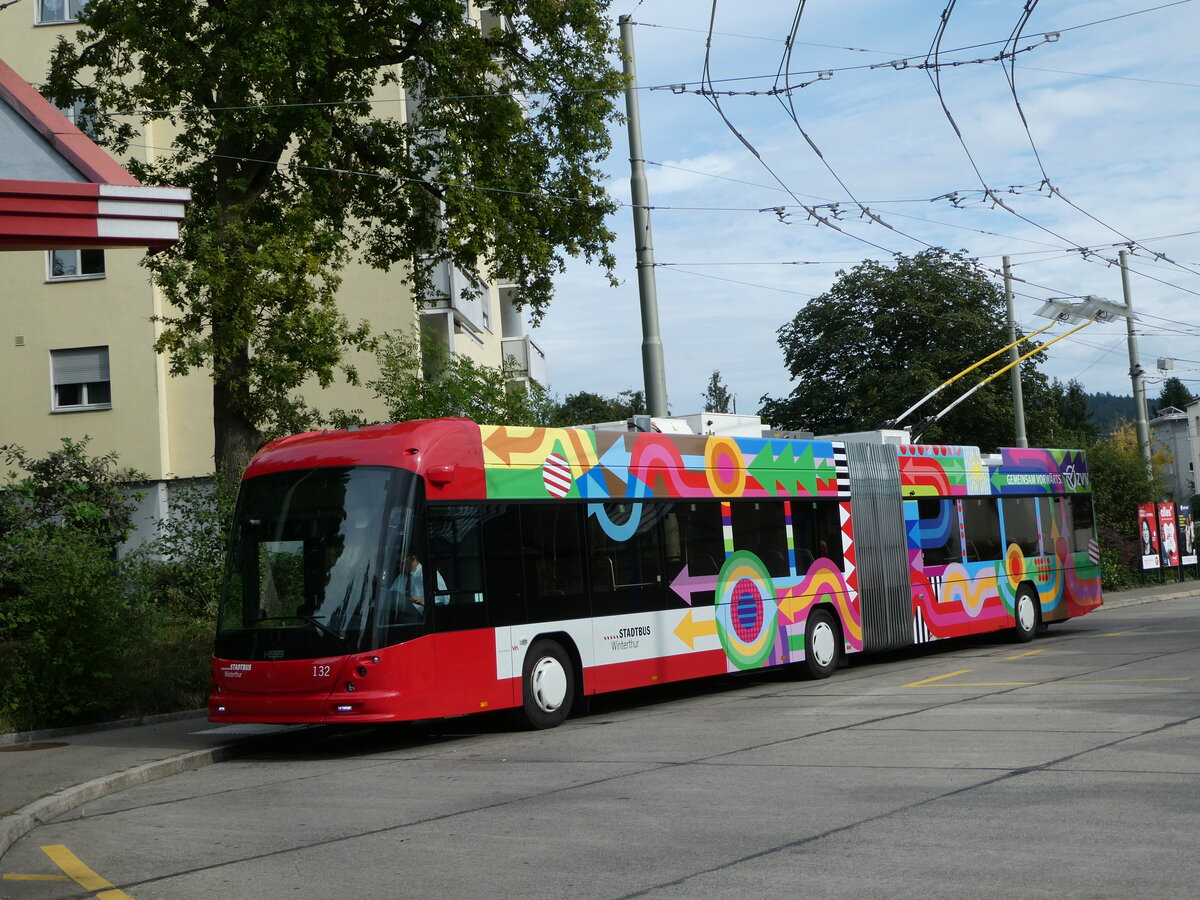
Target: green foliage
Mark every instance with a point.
(1174, 393)
(421, 380)
(491, 165)
(70, 489)
(586, 408)
(1120, 481)
(881, 338)
(182, 568)
(84, 636)
(1077, 428)
(716, 397)
(1107, 410)
(64, 620)
(65, 628)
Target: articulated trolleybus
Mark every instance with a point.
(438, 568)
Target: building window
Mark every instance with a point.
(81, 380)
(50, 12)
(64, 265)
(76, 115)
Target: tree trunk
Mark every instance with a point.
(236, 439)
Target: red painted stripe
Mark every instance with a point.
(15, 227)
(43, 205)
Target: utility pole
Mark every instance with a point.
(653, 370)
(1014, 356)
(1135, 367)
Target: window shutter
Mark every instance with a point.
(80, 365)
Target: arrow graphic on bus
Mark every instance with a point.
(690, 628)
(684, 584)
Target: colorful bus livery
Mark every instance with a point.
(437, 568)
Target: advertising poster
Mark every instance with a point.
(1187, 535)
(1168, 539)
(1148, 532)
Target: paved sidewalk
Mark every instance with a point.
(45, 774)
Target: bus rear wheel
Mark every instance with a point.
(821, 640)
(1025, 611)
(548, 685)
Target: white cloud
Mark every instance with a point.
(1120, 148)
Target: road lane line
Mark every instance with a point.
(73, 866)
(938, 678)
(1028, 653)
(16, 877)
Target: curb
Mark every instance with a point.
(49, 734)
(20, 823)
(1117, 602)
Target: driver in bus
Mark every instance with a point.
(410, 583)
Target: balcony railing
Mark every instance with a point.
(530, 358)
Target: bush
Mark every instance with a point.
(68, 631)
(182, 568)
(85, 637)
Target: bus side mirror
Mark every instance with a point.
(440, 475)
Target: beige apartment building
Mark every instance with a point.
(77, 329)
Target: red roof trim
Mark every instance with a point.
(71, 143)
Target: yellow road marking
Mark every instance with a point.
(15, 877)
(1122, 680)
(938, 678)
(1116, 633)
(73, 866)
(1029, 653)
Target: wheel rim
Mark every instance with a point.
(548, 684)
(1026, 616)
(824, 644)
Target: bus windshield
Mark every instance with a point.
(313, 552)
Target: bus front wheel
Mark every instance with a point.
(548, 685)
(1025, 611)
(821, 640)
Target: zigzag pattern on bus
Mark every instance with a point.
(528, 463)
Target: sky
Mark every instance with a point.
(1091, 149)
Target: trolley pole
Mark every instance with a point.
(653, 370)
(1135, 367)
(1013, 356)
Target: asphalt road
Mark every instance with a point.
(1067, 767)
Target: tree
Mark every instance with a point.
(294, 170)
(1120, 481)
(717, 397)
(1174, 393)
(425, 382)
(1074, 414)
(586, 408)
(881, 338)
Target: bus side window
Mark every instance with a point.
(455, 577)
(625, 558)
(816, 533)
(504, 564)
(693, 539)
(941, 543)
(1021, 523)
(553, 551)
(981, 528)
(760, 527)
(1083, 526)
